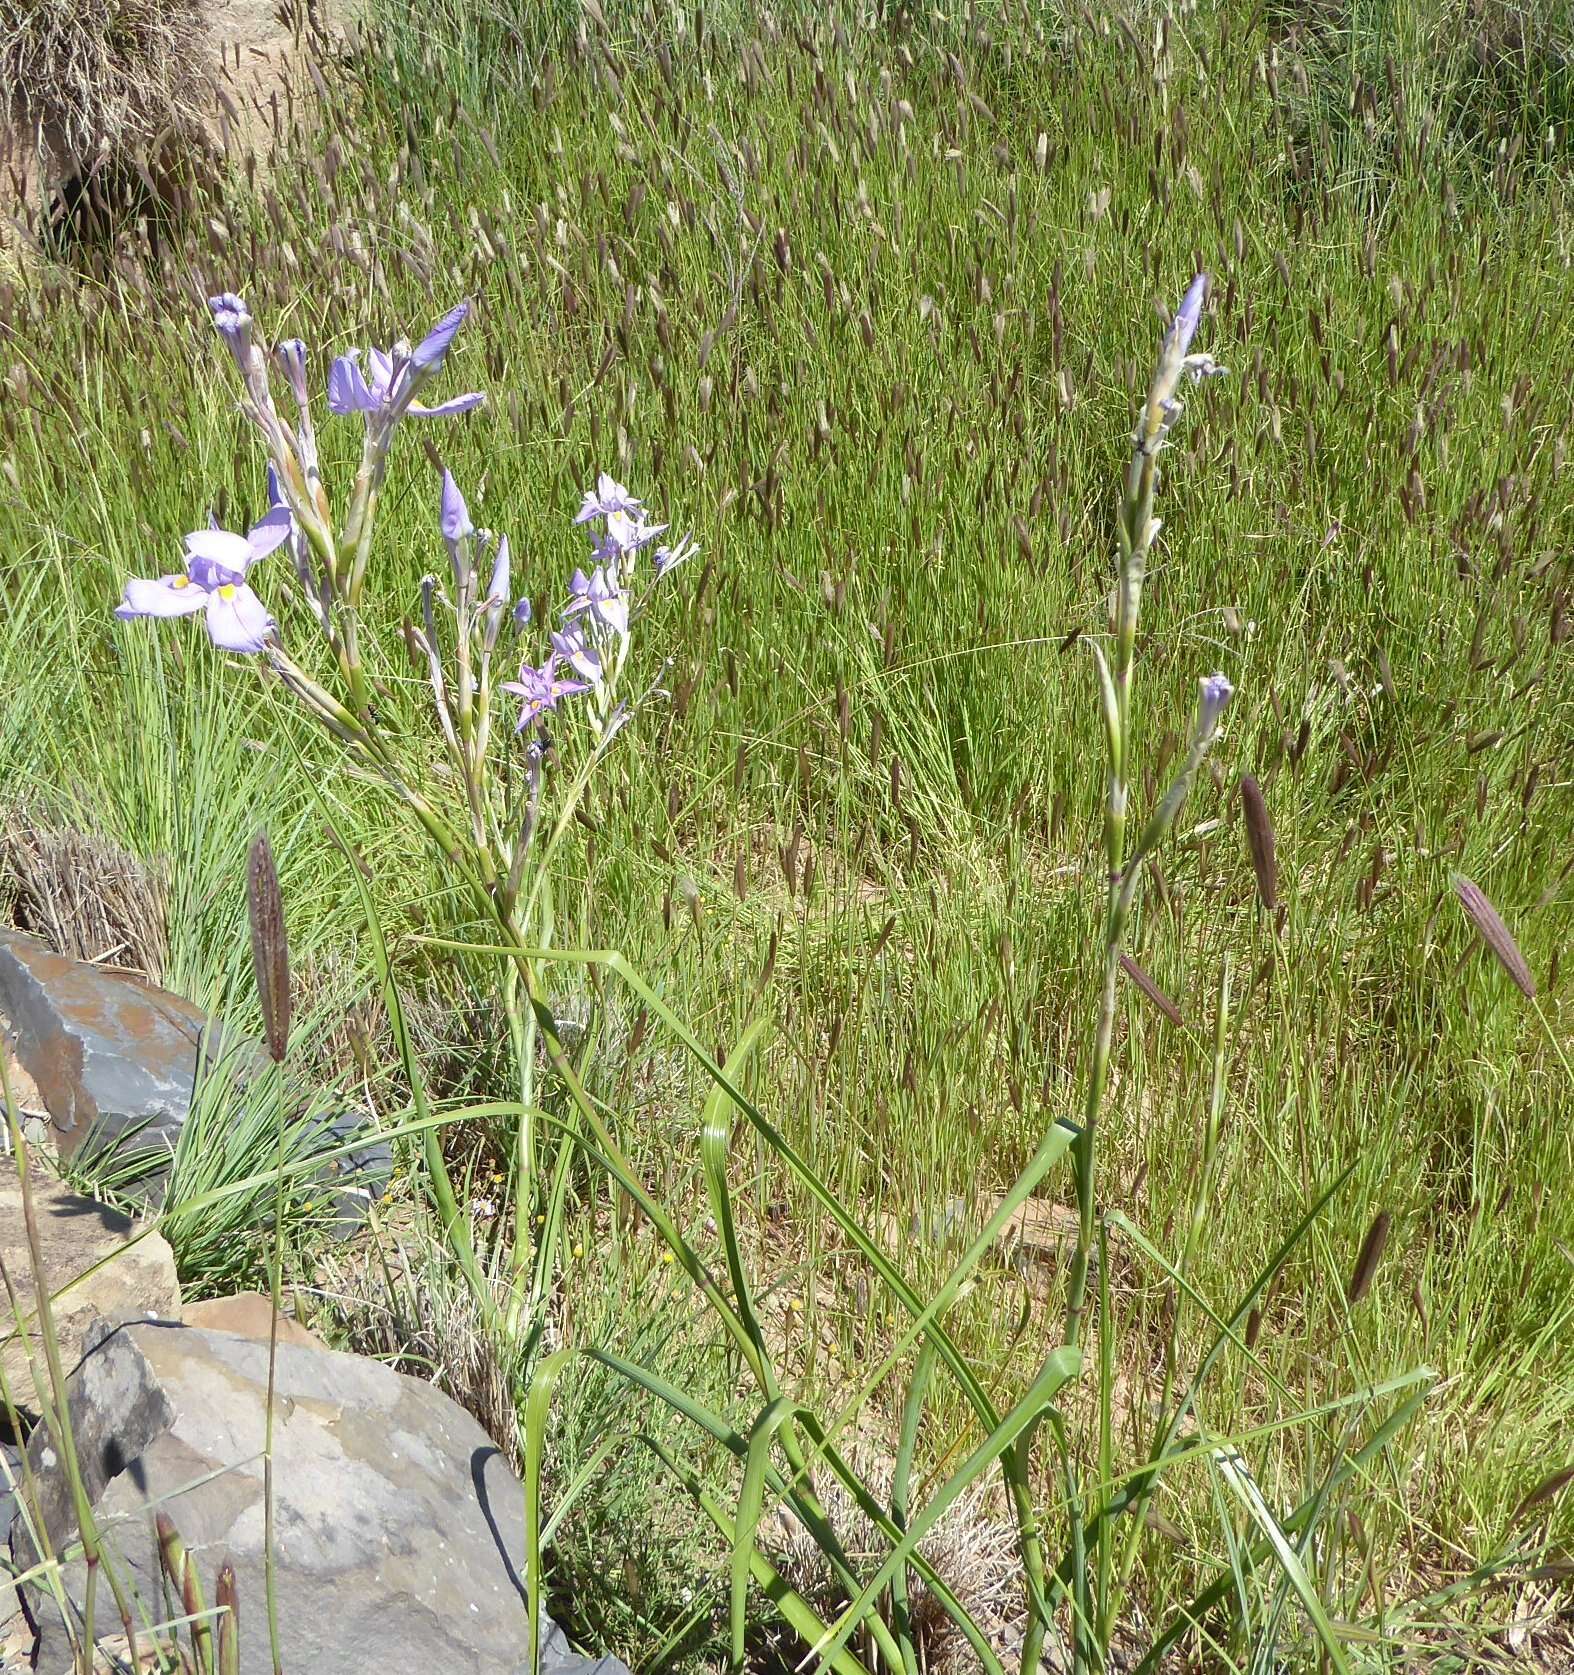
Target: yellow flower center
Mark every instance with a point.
(227, 591)
(181, 581)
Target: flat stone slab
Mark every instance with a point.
(115, 1063)
(399, 1528)
(76, 1235)
(111, 1056)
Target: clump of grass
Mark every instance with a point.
(84, 895)
(95, 77)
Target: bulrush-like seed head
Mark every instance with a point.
(1497, 936)
(1371, 1254)
(270, 949)
(1259, 838)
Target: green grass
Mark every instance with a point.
(836, 304)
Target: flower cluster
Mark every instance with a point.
(217, 561)
(593, 638)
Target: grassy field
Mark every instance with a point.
(870, 306)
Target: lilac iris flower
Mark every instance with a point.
(607, 497)
(584, 659)
(626, 533)
(669, 558)
(215, 581)
(601, 597)
(387, 388)
(541, 689)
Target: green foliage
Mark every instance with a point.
(881, 342)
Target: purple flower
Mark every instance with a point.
(607, 497)
(541, 689)
(669, 558)
(522, 614)
(387, 389)
(233, 321)
(215, 581)
(1215, 692)
(601, 597)
(625, 533)
(1187, 317)
(584, 659)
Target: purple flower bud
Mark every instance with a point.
(1188, 316)
(233, 322)
(456, 527)
(1215, 692)
(291, 356)
(522, 614)
(669, 558)
(496, 596)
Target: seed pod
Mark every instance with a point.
(1253, 1328)
(270, 949)
(1484, 916)
(1259, 839)
(1547, 1489)
(1151, 989)
(1371, 1254)
(229, 1622)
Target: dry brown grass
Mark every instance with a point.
(83, 895)
(100, 78)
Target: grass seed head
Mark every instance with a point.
(270, 949)
(1259, 838)
(1497, 936)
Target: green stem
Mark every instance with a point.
(275, 1289)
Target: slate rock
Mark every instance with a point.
(398, 1525)
(359, 1178)
(113, 1058)
(114, 1061)
(75, 1234)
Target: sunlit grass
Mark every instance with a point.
(875, 324)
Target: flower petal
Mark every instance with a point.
(164, 596)
(447, 409)
(429, 352)
(347, 391)
(270, 531)
(221, 547)
(237, 619)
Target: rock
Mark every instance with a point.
(136, 1281)
(248, 1314)
(357, 1179)
(114, 1063)
(398, 1525)
(111, 1056)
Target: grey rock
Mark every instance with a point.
(398, 1525)
(115, 1060)
(115, 1063)
(95, 1264)
(360, 1177)
(10, 1473)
